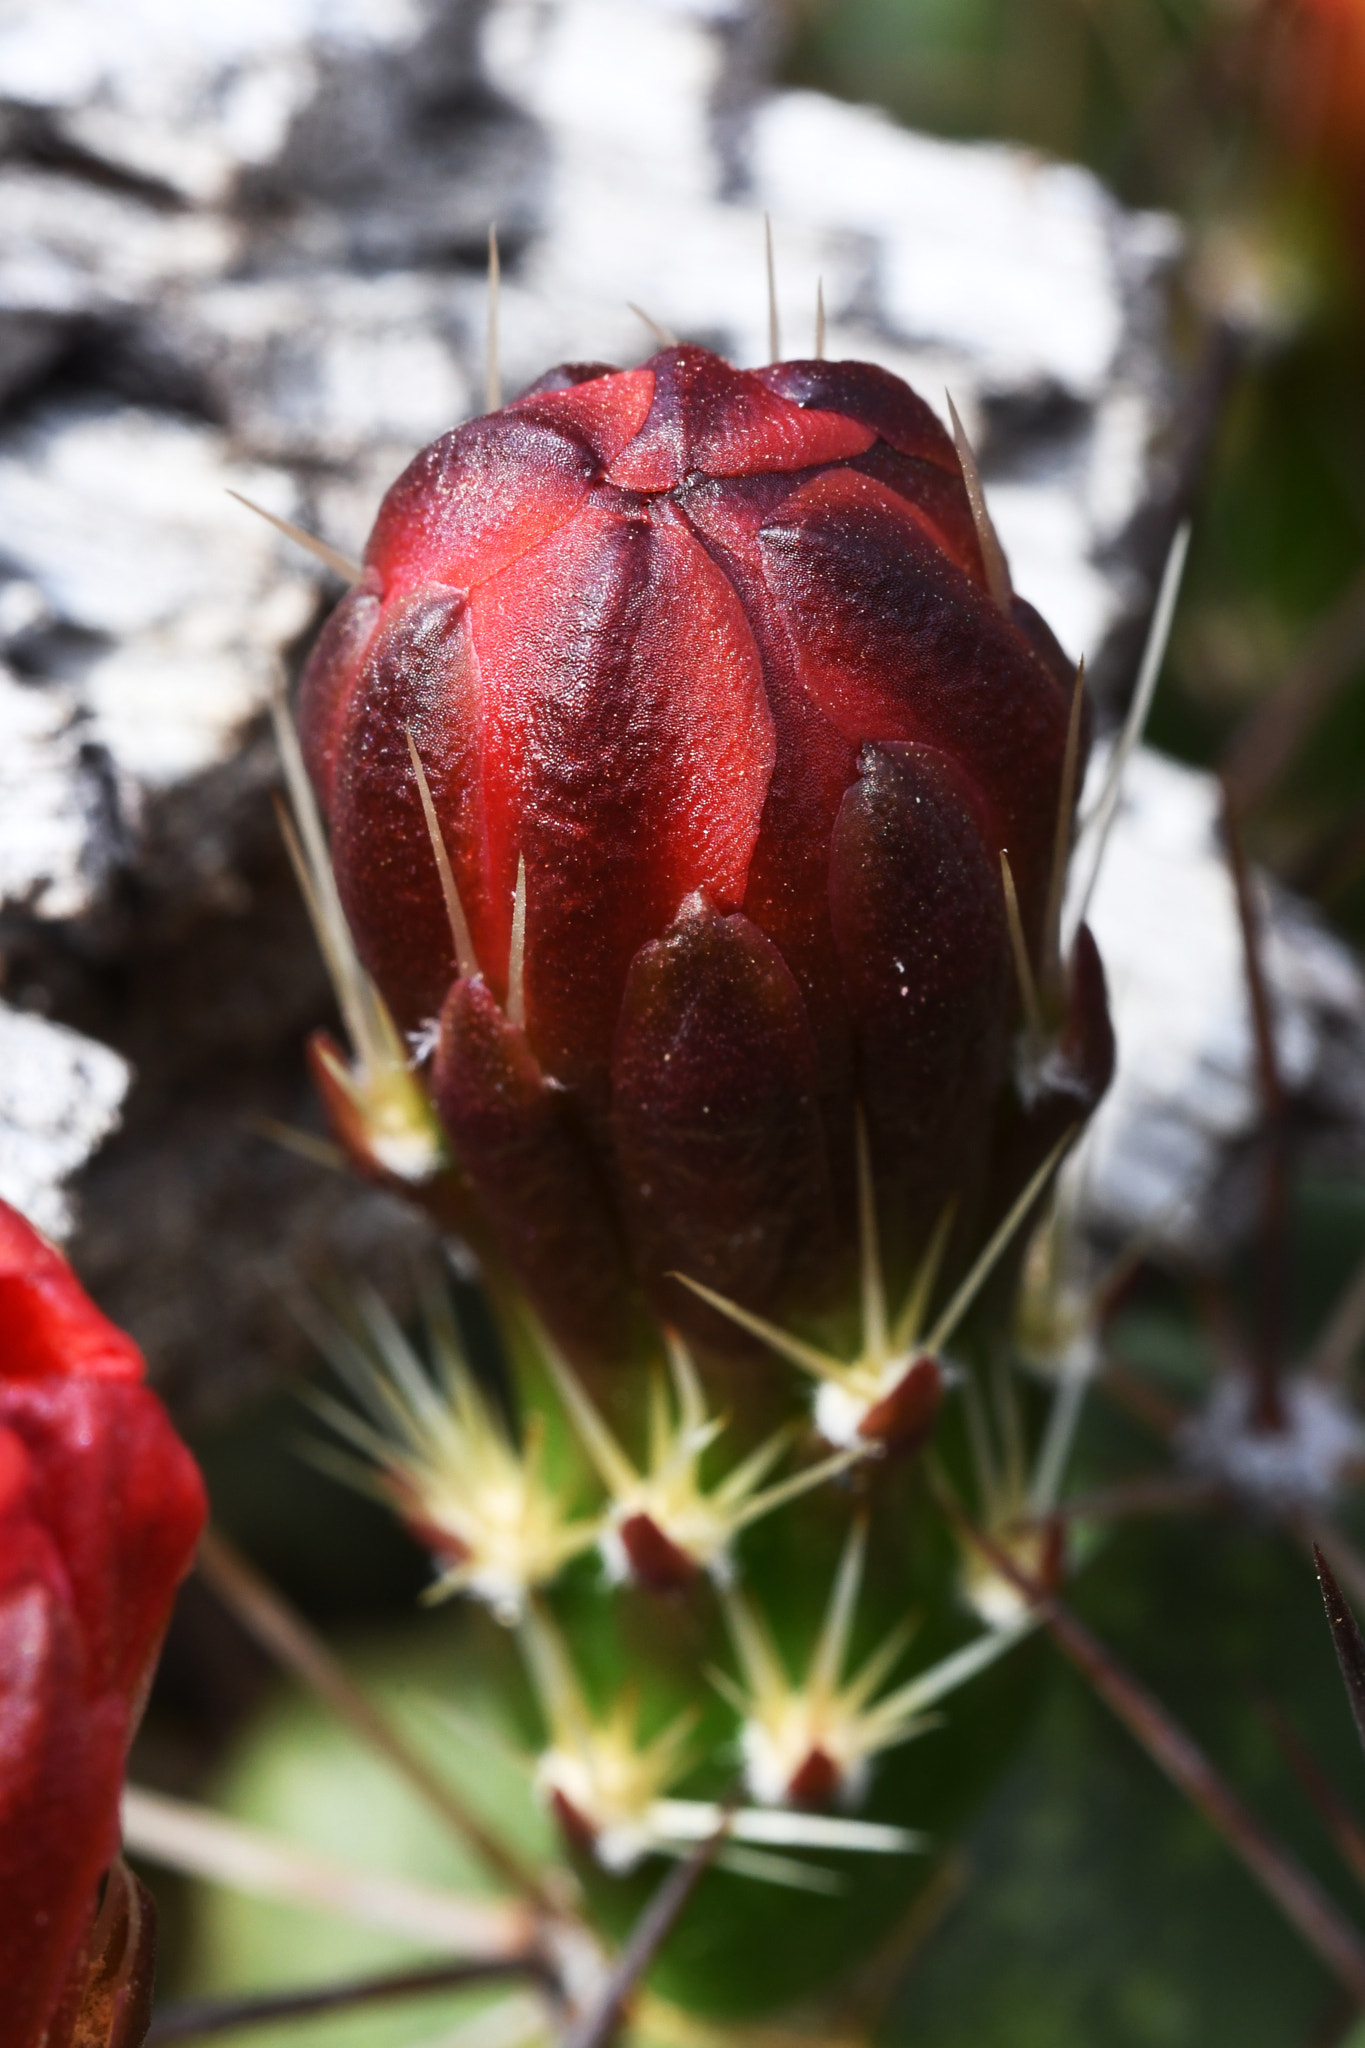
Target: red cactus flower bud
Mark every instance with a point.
(101, 1506)
(1316, 82)
(706, 672)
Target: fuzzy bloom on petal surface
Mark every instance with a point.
(101, 1506)
(724, 730)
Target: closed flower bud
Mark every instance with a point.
(722, 723)
(101, 1507)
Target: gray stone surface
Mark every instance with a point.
(1164, 1158)
(241, 246)
(60, 1097)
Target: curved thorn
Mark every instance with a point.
(1023, 966)
(774, 327)
(516, 954)
(831, 1647)
(1061, 844)
(912, 1315)
(341, 565)
(493, 366)
(992, 554)
(818, 1363)
(465, 956)
(1101, 819)
(1000, 1237)
(663, 335)
(869, 1251)
(614, 1468)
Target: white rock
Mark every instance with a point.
(1302, 1466)
(321, 369)
(60, 1096)
(70, 246)
(183, 95)
(120, 518)
(1186, 1095)
(975, 266)
(983, 249)
(49, 802)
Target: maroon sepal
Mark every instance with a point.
(919, 922)
(1086, 1047)
(533, 1174)
(722, 1159)
(656, 1563)
(815, 1782)
(1057, 1093)
(327, 1063)
(904, 1419)
(578, 1832)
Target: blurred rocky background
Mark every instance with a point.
(242, 249)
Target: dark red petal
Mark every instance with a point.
(914, 455)
(476, 499)
(627, 748)
(939, 499)
(895, 643)
(603, 414)
(328, 682)
(873, 397)
(714, 1110)
(711, 419)
(534, 1174)
(100, 1509)
(48, 1324)
(419, 673)
(918, 915)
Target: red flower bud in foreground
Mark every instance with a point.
(101, 1506)
(712, 659)
(1316, 82)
